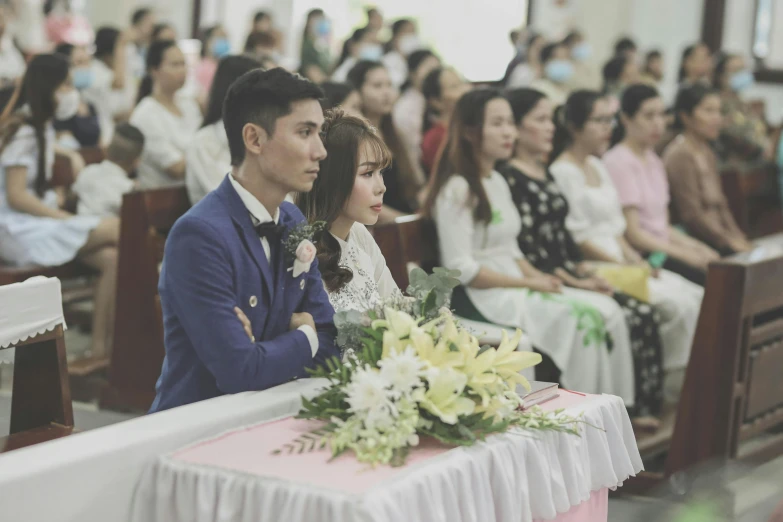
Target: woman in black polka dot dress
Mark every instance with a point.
(547, 245)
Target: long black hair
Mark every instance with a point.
(431, 89)
(460, 155)
(155, 54)
(343, 136)
(632, 100)
(45, 74)
(572, 116)
(228, 71)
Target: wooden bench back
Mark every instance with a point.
(733, 389)
(146, 218)
(410, 240)
(41, 406)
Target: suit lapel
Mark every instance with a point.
(244, 225)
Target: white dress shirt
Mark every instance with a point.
(259, 214)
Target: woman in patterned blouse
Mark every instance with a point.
(548, 245)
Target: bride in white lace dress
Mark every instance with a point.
(348, 195)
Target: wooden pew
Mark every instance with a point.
(137, 352)
(754, 199)
(732, 400)
(410, 241)
(41, 407)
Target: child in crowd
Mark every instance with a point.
(100, 187)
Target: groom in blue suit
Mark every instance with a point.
(235, 316)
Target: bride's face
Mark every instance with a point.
(366, 200)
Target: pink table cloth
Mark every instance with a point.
(515, 476)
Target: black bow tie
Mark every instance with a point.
(271, 231)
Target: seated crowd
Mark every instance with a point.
(539, 188)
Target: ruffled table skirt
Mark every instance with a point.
(511, 477)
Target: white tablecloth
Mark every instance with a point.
(28, 309)
(511, 477)
(91, 476)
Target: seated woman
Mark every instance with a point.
(404, 180)
(360, 46)
(595, 220)
(442, 88)
(639, 177)
(409, 111)
(744, 139)
(558, 73)
(83, 129)
(168, 120)
(695, 65)
(214, 46)
(697, 194)
(34, 230)
(348, 195)
(478, 224)
(549, 247)
(207, 158)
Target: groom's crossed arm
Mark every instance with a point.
(199, 283)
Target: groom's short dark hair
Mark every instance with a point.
(261, 97)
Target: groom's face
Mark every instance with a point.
(290, 157)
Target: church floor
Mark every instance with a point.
(755, 491)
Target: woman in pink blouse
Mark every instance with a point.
(640, 179)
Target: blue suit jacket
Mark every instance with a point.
(213, 262)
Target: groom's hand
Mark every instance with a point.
(301, 319)
(245, 323)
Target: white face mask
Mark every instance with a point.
(409, 43)
(67, 105)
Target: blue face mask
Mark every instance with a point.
(221, 47)
(581, 52)
(741, 81)
(323, 27)
(82, 78)
(559, 71)
(372, 52)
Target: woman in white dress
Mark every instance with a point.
(33, 228)
(207, 158)
(595, 218)
(169, 120)
(478, 225)
(348, 195)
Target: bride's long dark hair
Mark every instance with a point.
(343, 136)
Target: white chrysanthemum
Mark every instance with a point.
(402, 370)
(366, 391)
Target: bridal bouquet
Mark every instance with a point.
(409, 371)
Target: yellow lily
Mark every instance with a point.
(392, 343)
(481, 377)
(443, 397)
(508, 362)
(437, 355)
(399, 323)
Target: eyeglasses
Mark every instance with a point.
(606, 120)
